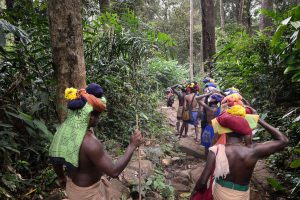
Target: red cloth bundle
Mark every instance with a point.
(236, 123)
(248, 110)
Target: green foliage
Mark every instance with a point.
(166, 73)
(157, 183)
(286, 41)
(118, 54)
(275, 184)
(295, 163)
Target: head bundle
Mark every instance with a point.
(93, 94)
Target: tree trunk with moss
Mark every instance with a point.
(67, 46)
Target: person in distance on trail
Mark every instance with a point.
(210, 86)
(191, 104)
(76, 148)
(170, 97)
(181, 96)
(232, 163)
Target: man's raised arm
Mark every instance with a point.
(267, 148)
(174, 89)
(103, 161)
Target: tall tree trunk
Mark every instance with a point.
(222, 15)
(67, 46)
(241, 11)
(247, 16)
(236, 6)
(9, 7)
(104, 5)
(9, 4)
(166, 7)
(264, 20)
(191, 39)
(201, 44)
(208, 33)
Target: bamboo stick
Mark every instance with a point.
(139, 157)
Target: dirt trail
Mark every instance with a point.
(184, 173)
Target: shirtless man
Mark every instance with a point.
(94, 161)
(190, 101)
(241, 160)
(181, 96)
(76, 148)
(212, 110)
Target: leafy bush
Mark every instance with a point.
(166, 72)
(286, 42)
(157, 183)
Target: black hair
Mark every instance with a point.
(95, 113)
(233, 134)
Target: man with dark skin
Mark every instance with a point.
(94, 161)
(242, 159)
(211, 110)
(181, 96)
(190, 101)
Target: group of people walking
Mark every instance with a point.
(227, 121)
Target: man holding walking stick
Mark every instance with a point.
(76, 148)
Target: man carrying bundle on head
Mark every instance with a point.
(76, 148)
(190, 115)
(230, 163)
(211, 110)
(210, 86)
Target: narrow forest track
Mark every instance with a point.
(183, 175)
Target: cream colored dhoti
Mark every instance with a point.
(97, 191)
(223, 193)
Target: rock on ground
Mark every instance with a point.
(188, 146)
(196, 172)
(131, 173)
(118, 190)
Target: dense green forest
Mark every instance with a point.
(135, 50)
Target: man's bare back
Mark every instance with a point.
(87, 173)
(241, 163)
(241, 158)
(211, 111)
(189, 99)
(94, 161)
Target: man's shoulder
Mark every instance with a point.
(90, 143)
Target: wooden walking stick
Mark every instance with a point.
(139, 157)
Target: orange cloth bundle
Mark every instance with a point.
(96, 103)
(233, 99)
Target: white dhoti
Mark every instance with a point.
(223, 193)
